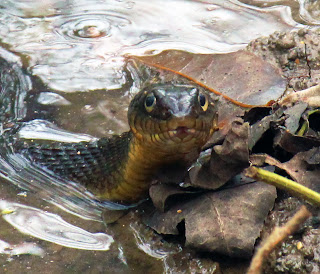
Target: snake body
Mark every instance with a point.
(169, 123)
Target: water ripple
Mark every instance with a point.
(79, 45)
(51, 227)
(88, 26)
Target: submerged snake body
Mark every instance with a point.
(168, 125)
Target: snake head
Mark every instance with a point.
(175, 118)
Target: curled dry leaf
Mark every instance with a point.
(227, 160)
(294, 143)
(260, 127)
(304, 168)
(161, 194)
(294, 115)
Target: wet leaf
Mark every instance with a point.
(241, 75)
(227, 222)
(111, 216)
(304, 167)
(161, 194)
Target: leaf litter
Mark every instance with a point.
(219, 212)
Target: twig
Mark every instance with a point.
(276, 180)
(278, 235)
(310, 95)
(307, 60)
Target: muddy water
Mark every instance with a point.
(77, 88)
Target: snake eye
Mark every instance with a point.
(150, 102)
(203, 101)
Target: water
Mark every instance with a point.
(79, 45)
(79, 89)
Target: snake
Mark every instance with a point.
(169, 124)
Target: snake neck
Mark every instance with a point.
(132, 178)
(135, 175)
(143, 161)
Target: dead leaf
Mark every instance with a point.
(161, 194)
(260, 127)
(227, 160)
(226, 222)
(304, 167)
(294, 143)
(241, 75)
(294, 115)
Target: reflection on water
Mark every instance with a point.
(147, 247)
(24, 248)
(79, 46)
(303, 11)
(51, 227)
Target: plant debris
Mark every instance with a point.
(226, 221)
(283, 133)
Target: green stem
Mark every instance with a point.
(276, 180)
(303, 129)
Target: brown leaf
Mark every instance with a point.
(227, 222)
(227, 160)
(294, 115)
(259, 128)
(161, 194)
(294, 144)
(304, 167)
(241, 75)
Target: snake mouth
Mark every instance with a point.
(181, 132)
(172, 133)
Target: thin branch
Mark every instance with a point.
(310, 95)
(278, 235)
